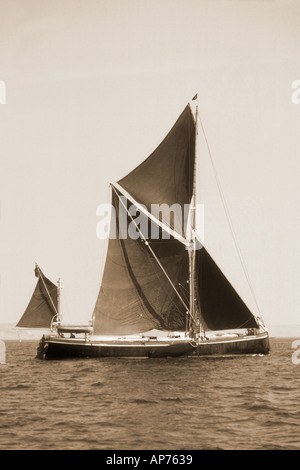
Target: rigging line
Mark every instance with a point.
(154, 255)
(243, 324)
(47, 290)
(229, 219)
(168, 295)
(156, 273)
(183, 288)
(185, 292)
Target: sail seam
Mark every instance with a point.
(159, 323)
(138, 287)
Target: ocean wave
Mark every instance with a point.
(165, 404)
(143, 401)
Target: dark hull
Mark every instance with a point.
(68, 349)
(58, 348)
(258, 344)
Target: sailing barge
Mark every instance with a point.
(161, 294)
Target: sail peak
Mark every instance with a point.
(166, 176)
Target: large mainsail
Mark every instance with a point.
(42, 306)
(146, 280)
(136, 294)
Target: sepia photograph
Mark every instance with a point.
(149, 227)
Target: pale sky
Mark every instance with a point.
(93, 86)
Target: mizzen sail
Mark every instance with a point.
(42, 306)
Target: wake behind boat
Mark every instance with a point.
(161, 294)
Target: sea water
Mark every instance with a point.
(238, 403)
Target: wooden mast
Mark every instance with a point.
(194, 325)
(59, 315)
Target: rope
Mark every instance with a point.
(154, 255)
(230, 221)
